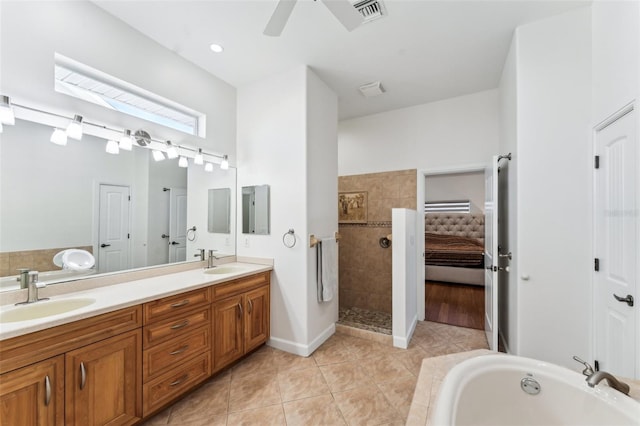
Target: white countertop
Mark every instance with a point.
(118, 296)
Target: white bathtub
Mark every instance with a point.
(487, 390)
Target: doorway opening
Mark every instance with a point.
(454, 248)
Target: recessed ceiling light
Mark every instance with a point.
(216, 48)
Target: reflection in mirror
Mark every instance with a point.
(255, 210)
(127, 210)
(219, 210)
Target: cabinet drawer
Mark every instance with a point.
(240, 285)
(175, 326)
(172, 353)
(172, 305)
(165, 388)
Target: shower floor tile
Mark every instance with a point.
(379, 322)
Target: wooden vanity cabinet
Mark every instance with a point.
(33, 395)
(240, 318)
(102, 382)
(120, 367)
(176, 346)
(105, 350)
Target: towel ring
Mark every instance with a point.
(288, 242)
(191, 233)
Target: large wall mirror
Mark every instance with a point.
(127, 210)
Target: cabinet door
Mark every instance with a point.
(33, 395)
(227, 331)
(103, 383)
(256, 324)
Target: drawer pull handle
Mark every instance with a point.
(250, 307)
(180, 380)
(179, 351)
(241, 312)
(180, 325)
(83, 376)
(179, 304)
(47, 390)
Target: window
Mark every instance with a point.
(448, 207)
(78, 80)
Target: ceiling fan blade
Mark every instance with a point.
(279, 18)
(344, 11)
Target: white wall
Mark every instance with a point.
(457, 187)
(31, 32)
(322, 190)
(508, 227)
(437, 135)
(616, 56)
(285, 123)
(554, 187)
(405, 314)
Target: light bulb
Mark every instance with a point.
(199, 159)
(112, 147)
(183, 162)
(172, 152)
(74, 129)
(208, 167)
(59, 137)
(157, 155)
(125, 141)
(224, 165)
(216, 48)
(6, 111)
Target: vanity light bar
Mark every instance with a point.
(74, 130)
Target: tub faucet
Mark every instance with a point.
(587, 367)
(599, 376)
(32, 285)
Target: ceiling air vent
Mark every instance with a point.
(370, 9)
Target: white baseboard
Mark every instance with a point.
(299, 348)
(403, 342)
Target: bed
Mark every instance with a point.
(454, 248)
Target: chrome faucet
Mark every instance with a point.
(211, 258)
(599, 376)
(29, 280)
(587, 367)
(200, 254)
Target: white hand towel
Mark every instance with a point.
(329, 268)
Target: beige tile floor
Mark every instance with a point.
(347, 381)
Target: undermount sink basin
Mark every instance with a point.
(44, 309)
(220, 270)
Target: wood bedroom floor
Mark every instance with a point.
(455, 304)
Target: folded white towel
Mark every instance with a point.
(329, 268)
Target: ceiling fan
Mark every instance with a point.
(343, 10)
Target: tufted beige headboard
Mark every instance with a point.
(461, 224)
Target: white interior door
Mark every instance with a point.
(113, 234)
(178, 225)
(616, 246)
(491, 254)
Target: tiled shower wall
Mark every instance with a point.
(365, 267)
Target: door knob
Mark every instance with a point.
(628, 300)
(174, 243)
(105, 245)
